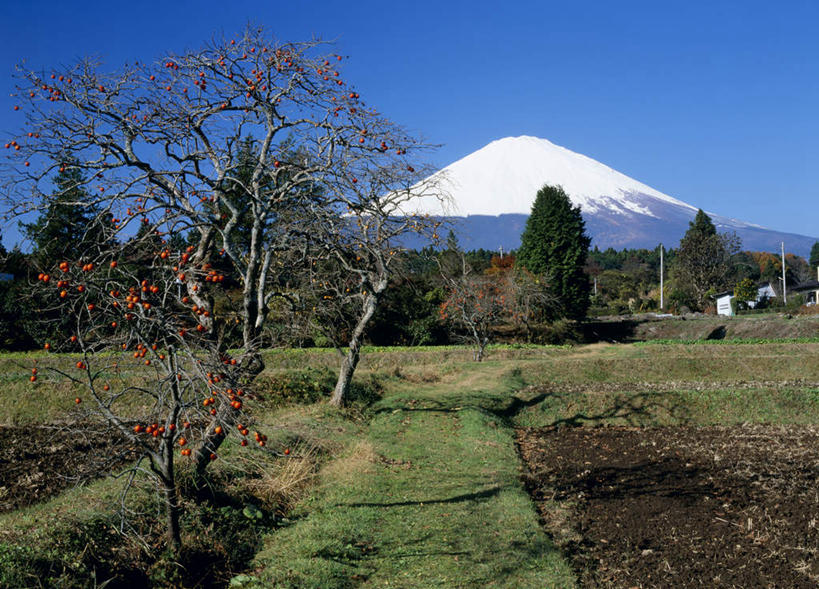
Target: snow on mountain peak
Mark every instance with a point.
(491, 192)
(504, 176)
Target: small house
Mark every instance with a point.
(763, 292)
(724, 303)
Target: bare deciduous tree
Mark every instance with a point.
(529, 299)
(363, 246)
(475, 303)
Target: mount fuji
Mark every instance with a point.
(492, 190)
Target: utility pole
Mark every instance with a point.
(661, 278)
(501, 251)
(784, 285)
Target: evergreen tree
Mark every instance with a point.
(70, 225)
(452, 242)
(703, 264)
(238, 186)
(814, 255)
(701, 226)
(554, 244)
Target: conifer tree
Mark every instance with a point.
(703, 264)
(814, 255)
(71, 223)
(554, 244)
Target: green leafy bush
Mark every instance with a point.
(301, 387)
(311, 385)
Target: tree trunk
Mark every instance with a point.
(252, 365)
(249, 308)
(345, 375)
(167, 480)
(350, 362)
(172, 515)
(479, 353)
(480, 343)
(210, 444)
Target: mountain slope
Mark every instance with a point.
(492, 191)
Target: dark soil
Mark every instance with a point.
(38, 462)
(682, 506)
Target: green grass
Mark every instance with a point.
(437, 458)
(427, 498)
(420, 482)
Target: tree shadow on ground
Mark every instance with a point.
(665, 478)
(638, 409)
(477, 496)
(645, 407)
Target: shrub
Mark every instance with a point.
(301, 387)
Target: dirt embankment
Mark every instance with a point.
(701, 327)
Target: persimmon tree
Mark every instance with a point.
(145, 362)
(159, 146)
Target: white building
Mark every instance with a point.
(764, 291)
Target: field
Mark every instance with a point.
(680, 507)
(610, 465)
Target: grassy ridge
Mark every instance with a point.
(712, 406)
(731, 341)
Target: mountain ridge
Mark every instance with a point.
(493, 188)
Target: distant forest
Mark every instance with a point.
(622, 282)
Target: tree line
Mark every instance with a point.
(705, 263)
(597, 282)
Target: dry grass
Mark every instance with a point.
(359, 459)
(281, 486)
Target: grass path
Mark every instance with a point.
(430, 497)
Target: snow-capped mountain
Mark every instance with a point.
(492, 190)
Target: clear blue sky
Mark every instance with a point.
(711, 102)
